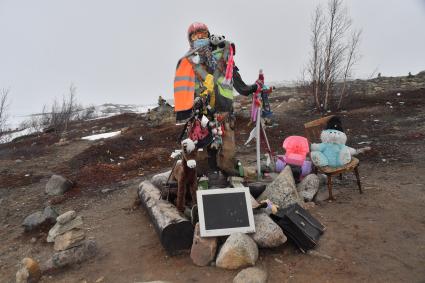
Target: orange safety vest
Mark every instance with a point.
(184, 86)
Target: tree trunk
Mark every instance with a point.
(175, 232)
(342, 94)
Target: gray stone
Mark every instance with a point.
(267, 233)
(66, 217)
(238, 251)
(309, 186)
(74, 255)
(50, 213)
(57, 185)
(282, 191)
(69, 239)
(59, 229)
(40, 218)
(33, 221)
(159, 180)
(251, 275)
(203, 249)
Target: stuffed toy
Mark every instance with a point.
(332, 151)
(185, 173)
(217, 41)
(296, 149)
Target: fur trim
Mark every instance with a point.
(191, 163)
(176, 153)
(188, 145)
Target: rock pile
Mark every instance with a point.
(241, 250)
(66, 230)
(70, 243)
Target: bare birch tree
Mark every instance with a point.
(61, 112)
(333, 55)
(315, 67)
(337, 25)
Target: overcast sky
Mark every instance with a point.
(126, 51)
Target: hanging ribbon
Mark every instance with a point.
(229, 69)
(256, 103)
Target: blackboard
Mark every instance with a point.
(225, 211)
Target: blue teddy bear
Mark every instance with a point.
(332, 151)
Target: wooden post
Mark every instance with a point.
(175, 232)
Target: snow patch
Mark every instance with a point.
(101, 136)
(13, 135)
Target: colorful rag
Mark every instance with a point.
(206, 57)
(229, 69)
(256, 103)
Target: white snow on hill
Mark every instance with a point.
(96, 112)
(13, 135)
(110, 109)
(101, 136)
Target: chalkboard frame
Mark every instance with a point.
(226, 231)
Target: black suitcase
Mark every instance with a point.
(299, 226)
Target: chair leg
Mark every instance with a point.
(330, 187)
(356, 171)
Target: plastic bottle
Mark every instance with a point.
(240, 169)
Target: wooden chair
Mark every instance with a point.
(312, 131)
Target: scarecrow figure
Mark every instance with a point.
(203, 90)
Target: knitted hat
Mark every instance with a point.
(334, 123)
